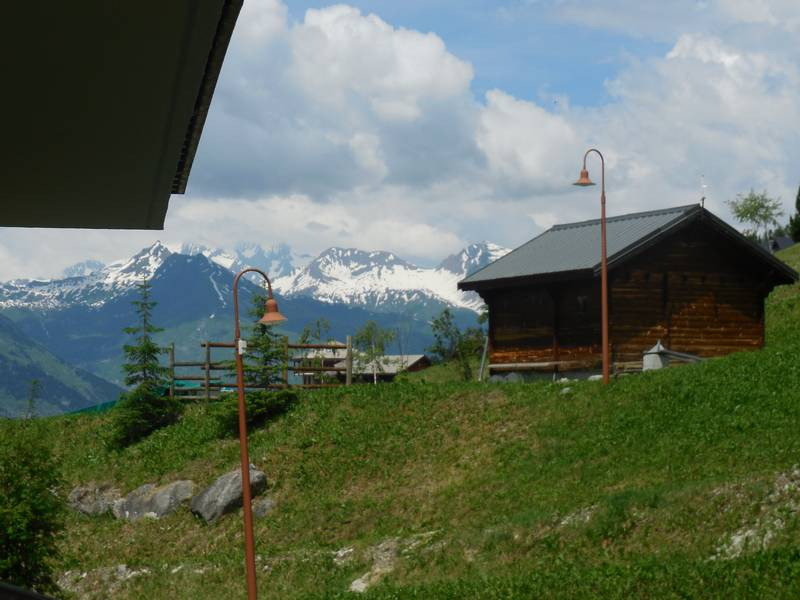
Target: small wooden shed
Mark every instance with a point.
(679, 275)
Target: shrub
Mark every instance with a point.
(31, 514)
(140, 412)
(261, 406)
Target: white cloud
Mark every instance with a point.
(343, 129)
(527, 146)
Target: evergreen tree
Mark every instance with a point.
(794, 220)
(264, 361)
(142, 366)
(147, 407)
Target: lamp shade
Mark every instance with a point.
(584, 180)
(271, 315)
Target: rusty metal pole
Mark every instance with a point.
(249, 541)
(271, 317)
(604, 274)
(584, 180)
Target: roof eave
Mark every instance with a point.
(216, 56)
(525, 280)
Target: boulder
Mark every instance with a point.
(263, 506)
(153, 501)
(225, 494)
(93, 499)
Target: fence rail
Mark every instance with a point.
(311, 367)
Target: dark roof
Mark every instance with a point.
(573, 249)
(106, 105)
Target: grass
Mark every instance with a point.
(498, 491)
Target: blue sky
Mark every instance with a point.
(522, 48)
(419, 127)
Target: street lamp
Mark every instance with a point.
(584, 181)
(271, 317)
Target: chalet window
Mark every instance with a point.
(582, 304)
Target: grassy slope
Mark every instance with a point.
(666, 465)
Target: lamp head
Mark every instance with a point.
(271, 313)
(584, 180)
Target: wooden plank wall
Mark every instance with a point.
(696, 292)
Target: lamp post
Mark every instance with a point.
(584, 181)
(271, 317)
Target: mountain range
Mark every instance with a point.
(79, 317)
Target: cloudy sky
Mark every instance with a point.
(423, 125)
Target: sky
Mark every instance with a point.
(420, 126)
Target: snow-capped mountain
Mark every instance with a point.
(378, 281)
(382, 281)
(94, 289)
(83, 268)
(278, 261)
(472, 258)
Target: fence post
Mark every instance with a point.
(348, 378)
(172, 370)
(286, 361)
(207, 380)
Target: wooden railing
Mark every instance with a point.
(211, 386)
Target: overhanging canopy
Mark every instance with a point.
(103, 105)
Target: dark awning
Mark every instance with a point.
(103, 104)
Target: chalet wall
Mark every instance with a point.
(696, 291)
(557, 322)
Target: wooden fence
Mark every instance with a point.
(312, 366)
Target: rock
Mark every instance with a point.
(154, 502)
(93, 499)
(594, 378)
(566, 390)
(343, 556)
(225, 494)
(383, 556)
(263, 506)
(106, 580)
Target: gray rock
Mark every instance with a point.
(225, 494)
(93, 499)
(154, 502)
(263, 506)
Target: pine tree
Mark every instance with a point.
(794, 221)
(142, 366)
(147, 407)
(264, 359)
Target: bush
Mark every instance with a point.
(260, 407)
(140, 412)
(31, 514)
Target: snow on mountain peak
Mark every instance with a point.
(83, 268)
(382, 281)
(473, 257)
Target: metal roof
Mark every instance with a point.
(574, 248)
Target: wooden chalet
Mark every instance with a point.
(680, 275)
